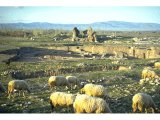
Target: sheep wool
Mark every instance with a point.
(57, 81)
(146, 73)
(61, 99)
(18, 85)
(157, 64)
(143, 101)
(94, 90)
(124, 68)
(88, 104)
(72, 80)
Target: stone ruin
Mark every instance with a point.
(75, 33)
(91, 35)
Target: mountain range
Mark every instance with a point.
(109, 25)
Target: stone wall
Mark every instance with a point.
(145, 53)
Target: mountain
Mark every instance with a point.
(110, 25)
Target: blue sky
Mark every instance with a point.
(67, 15)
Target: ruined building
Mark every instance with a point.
(91, 35)
(75, 33)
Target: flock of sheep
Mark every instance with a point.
(94, 99)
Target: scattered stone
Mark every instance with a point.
(3, 105)
(29, 103)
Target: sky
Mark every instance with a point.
(79, 14)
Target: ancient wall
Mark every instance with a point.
(145, 53)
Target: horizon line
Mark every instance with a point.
(81, 23)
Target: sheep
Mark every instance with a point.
(61, 99)
(72, 80)
(2, 88)
(124, 68)
(157, 64)
(57, 81)
(143, 101)
(152, 74)
(94, 90)
(144, 73)
(88, 104)
(147, 73)
(17, 85)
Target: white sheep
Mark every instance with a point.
(144, 73)
(72, 80)
(152, 74)
(124, 68)
(88, 104)
(57, 81)
(147, 73)
(94, 90)
(17, 85)
(143, 101)
(61, 99)
(157, 64)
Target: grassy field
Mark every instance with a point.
(121, 85)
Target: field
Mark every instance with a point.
(36, 60)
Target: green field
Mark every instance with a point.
(32, 67)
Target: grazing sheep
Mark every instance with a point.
(2, 88)
(143, 101)
(88, 104)
(153, 74)
(94, 90)
(146, 73)
(57, 81)
(61, 99)
(72, 80)
(17, 85)
(157, 64)
(150, 81)
(124, 68)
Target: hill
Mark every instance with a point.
(109, 25)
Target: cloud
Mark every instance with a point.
(20, 20)
(19, 7)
